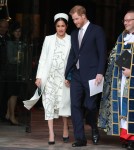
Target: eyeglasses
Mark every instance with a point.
(127, 20)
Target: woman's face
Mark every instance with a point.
(3, 27)
(17, 34)
(61, 28)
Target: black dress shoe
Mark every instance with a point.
(79, 143)
(124, 145)
(51, 142)
(65, 139)
(95, 136)
(130, 146)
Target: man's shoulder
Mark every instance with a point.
(75, 31)
(95, 26)
(121, 35)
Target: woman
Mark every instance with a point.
(50, 76)
(14, 48)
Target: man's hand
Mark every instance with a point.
(67, 83)
(99, 78)
(126, 71)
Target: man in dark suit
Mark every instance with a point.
(86, 61)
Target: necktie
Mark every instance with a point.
(80, 36)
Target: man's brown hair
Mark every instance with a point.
(78, 9)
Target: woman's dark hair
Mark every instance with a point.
(14, 26)
(65, 21)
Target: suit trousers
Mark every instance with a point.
(80, 98)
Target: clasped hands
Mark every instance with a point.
(67, 83)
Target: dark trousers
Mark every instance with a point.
(79, 98)
(88, 113)
(3, 99)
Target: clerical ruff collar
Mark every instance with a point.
(128, 38)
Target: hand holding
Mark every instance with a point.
(99, 78)
(67, 83)
(126, 71)
(38, 82)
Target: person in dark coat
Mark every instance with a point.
(87, 60)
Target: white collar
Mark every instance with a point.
(128, 38)
(86, 25)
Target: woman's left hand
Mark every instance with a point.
(67, 83)
(126, 71)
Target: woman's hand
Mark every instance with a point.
(67, 83)
(126, 71)
(38, 82)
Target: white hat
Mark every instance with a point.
(61, 15)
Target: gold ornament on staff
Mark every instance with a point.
(4, 7)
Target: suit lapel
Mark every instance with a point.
(76, 38)
(86, 35)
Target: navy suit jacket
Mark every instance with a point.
(92, 53)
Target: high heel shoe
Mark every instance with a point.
(51, 142)
(65, 139)
(124, 145)
(13, 124)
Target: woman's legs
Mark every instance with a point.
(11, 109)
(65, 127)
(51, 131)
(65, 131)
